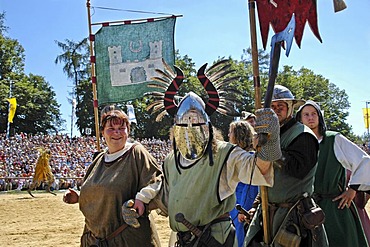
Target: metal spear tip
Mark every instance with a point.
(286, 35)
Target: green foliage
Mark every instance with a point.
(147, 126)
(11, 56)
(305, 84)
(85, 107)
(75, 58)
(37, 109)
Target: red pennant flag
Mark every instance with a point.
(279, 12)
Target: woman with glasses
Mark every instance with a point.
(123, 171)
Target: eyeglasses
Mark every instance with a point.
(121, 129)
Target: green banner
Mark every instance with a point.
(127, 56)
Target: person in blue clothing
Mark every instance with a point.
(242, 133)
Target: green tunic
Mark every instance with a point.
(343, 226)
(194, 193)
(104, 191)
(287, 189)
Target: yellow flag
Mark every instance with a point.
(366, 112)
(12, 108)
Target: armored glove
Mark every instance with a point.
(267, 122)
(129, 214)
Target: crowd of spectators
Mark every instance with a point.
(70, 158)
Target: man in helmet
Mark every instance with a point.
(202, 171)
(294, 178)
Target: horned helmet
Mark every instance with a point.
(192, 130)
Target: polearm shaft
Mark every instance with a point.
(255, 65)
(257, 102)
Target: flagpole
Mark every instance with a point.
(93, 78)
(10, 96)
(257, 102)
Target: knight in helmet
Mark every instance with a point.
(202, 171)
(290, 199)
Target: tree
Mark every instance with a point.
(305, 84)
(11, 54)
(85, 107)
(191, 83)
(75, 57)
(37, 109)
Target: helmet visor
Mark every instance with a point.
(191, 140)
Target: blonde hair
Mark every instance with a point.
(243, 134)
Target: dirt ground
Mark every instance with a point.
(47, 221)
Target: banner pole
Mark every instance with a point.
(93, 79)
(257, 102)
(10, 96)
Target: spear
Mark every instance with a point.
(257, 103)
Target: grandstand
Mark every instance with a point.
(69, 160)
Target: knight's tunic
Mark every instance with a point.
(194, 192)
(287, 190)
(203, 192)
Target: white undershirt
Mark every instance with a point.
(353, 158)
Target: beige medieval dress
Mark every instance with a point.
(106, 187)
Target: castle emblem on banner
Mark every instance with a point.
(127, 55)
(129, 72)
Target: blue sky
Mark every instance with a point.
(207, 30)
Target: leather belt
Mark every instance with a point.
(117, 231)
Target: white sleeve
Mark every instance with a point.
(240, 168)
(149, 192)
(354, 159)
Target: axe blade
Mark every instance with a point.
(286, 35)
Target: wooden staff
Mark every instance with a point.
(257, 103)
(93, 77)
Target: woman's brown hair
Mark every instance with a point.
(114, 115)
